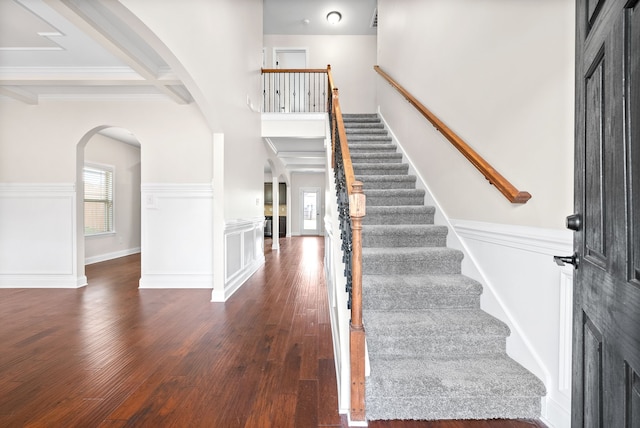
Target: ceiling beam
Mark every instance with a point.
(19, 94)
(85, 82)
(80, 19)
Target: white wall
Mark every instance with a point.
(216, 49)
(500, 74)
(38, 143)
(41, 156)
(351, 58)
(125, 159)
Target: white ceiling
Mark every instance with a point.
(84, 49)
(308, 17)
(77, 49)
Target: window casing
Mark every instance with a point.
(98, 199)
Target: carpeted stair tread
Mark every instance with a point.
(416, 292)
(390, 197)
(399, 287)
(387, 181)
(359, 125)
(427, 323)
(372, 147)
(454, 388)
(435, 331)
(374, 131)
(403, 235)
(359, 138)
(388, 157)
(380, 168)
(360, 120)
(356, 115)
(410, 260)
(362, 137)
(464, 376)
(407, 214)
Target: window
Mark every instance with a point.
(98, 199)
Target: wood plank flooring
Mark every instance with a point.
(112, 355)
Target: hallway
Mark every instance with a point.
(112, 355)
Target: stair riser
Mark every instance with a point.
(372, 219)
(370, 148)
(356, 137)
(388, 201)
(414, 265)
(388, 158)
(394, 169)
(367, 131)
(360, 119)
(417, 301)
(413, 346)
(377, 126)
(433, 240)
(387, 185)
(451, 407)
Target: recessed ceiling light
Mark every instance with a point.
(334, 17)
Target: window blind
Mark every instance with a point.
(98, 200)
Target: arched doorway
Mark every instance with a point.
(108, 176)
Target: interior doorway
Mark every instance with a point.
(290, 87)
(289, 58)
(108, 181)
(310, 215)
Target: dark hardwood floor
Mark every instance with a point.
(111, 355)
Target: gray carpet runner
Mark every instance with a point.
(434, 353)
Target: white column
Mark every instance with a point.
(217, 293)
(275, 226)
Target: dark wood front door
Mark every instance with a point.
(606, 350)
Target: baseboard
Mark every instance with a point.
(236, 282)
(42, 281)
(110, 256)
(555, 415)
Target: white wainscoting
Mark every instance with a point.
(177, 236)
(243, 254)
(517, 265)
(38, 236)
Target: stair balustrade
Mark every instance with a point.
(314, 90)
(351, 211)
(294, 90)
(502, 184)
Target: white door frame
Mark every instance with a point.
(318, 192)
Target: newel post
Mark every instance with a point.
(357, 201)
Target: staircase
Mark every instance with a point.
(434, 354)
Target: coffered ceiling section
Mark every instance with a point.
(78, 49)
(299, 154)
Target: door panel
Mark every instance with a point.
(633, 398)
(606, 352)
(595, 153)
(592, 372)
(633, 125)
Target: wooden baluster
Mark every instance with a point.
(357, 202)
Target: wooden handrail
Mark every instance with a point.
(502, 184)
(294, 70)
(357, 204)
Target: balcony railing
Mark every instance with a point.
(294, 90)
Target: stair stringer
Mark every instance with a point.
(519, 347)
